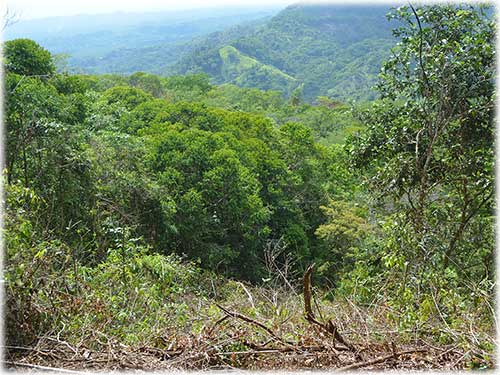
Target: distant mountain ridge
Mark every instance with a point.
(308, 50)
(329, 50)
(127, 42)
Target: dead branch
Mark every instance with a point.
(357, 365)
(254, 322)
(273, 250)
(329, 327)
(420, 53)
(307, 294)
(250, 298)
(225, 317)
(276, 350)
(248, 352)
(9, 18)
(43, 368)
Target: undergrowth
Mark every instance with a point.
(137, 298)
(151, 300)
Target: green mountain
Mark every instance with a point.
(241, 68)
(308, 50)
(130, 42)
(328, 50)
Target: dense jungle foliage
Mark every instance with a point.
(129, 200)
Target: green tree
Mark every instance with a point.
(296, 97)
(128, 97)
(30, 105)
(147, 82)
(219, 215)
(429, 143)
(26, 57)
(344, 232)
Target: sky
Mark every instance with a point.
(28, 9)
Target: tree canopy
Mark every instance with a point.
(26, 57)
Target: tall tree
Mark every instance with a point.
(429, 143)
(26, 57)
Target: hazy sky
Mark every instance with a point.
(45, 8)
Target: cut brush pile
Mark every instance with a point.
(248, 328)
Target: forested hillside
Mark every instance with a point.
(329, 50)
(156, 222)
(129, 42)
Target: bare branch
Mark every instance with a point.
(9, 18)
(424, 76)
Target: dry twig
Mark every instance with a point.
(43, 368)
(254, 322)
(357, 365)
